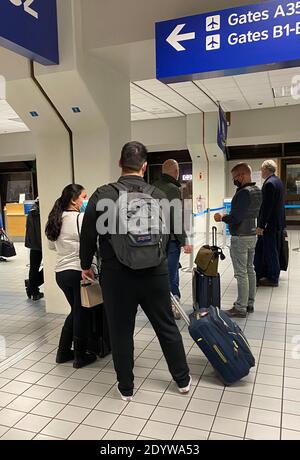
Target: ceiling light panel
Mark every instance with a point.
(10, 122)
(168, 95)
(150, 106)
(282, 91)
(195, 95)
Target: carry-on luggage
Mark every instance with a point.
(206, 279)
(7, 248)
(283, 250)
(98, 341)
(206, 290)
(221, 340)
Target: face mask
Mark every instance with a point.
(237, 183)
(84, 205)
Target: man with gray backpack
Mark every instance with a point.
(128, 221)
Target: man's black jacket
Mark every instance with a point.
(33, 239)
(272, 212)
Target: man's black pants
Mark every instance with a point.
(123, 291)
(266, 260)
(36, 277)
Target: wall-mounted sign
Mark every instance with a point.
(29, 28)
(228, 42)
(187, 177)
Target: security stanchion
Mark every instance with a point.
(190, 268)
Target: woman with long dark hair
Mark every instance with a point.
(63, 232)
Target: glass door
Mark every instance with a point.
(291, 180)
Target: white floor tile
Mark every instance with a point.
(262, 432)
(184, 433)
(87, 433)
(100, 419)
(131, 425)
(59, 429)
(33, 423)
(47, 409)
(158, 430)
(15, 435)
(9, 417)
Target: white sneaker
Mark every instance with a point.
(125, 398)
(187, 388)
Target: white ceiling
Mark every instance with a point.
(152, 99)
(9, 120)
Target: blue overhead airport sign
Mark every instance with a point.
(232, 41)
(29, 28)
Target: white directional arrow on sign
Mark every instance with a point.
(30, 10)
(174, 38)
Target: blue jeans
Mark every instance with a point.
(173, 263)
(266, 259)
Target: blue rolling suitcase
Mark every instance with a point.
(206, 290)
(222, 342)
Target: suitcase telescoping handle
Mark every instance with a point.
(180, 309)
(214, 236)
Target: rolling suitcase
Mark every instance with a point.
(98, 341)
(206, 290)
(221, 340)
(206, 279)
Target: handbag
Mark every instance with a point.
(207, 258)
(207, 261)
(90, 290)
(7, 248)
(91, 293)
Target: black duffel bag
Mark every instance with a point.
(7, 248)
(283, 250)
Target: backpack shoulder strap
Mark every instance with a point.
(119, 187)
(149, 189)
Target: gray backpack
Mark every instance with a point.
(141, 239)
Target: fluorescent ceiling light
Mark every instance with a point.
(282, 91)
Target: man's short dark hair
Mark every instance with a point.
(133, 156)
(242, 168)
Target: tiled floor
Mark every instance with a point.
(40, 400)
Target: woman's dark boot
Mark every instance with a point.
(81, 356)
(64, 352)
